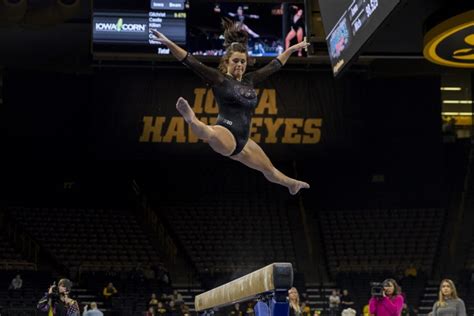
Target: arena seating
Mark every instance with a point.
(229, 238)
(230, 226)
(11, 259)
(89, 238)
(23, 301)
(380, 240)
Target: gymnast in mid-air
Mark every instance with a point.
(236, 99)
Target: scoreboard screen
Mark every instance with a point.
(349, 24)
(125, 26)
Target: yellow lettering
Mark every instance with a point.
(210, 106)
(256, 121)
(192, 138)
(268, 102)
(152, 129)
(198, 97)
(212, 120)
(272, 128)
(311, 127)
(175, 129)
(291, 129)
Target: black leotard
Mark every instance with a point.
(236, 99)
(298, 24)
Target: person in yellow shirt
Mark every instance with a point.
(411, 271)
(109, 292)
(365, 310)
(306, 309)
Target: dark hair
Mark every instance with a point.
(396, 288)
(235, 40)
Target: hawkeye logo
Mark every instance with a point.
(451, 43)
(120, 27)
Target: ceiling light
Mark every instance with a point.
(450, 88)
(457, 101)
(457, 113)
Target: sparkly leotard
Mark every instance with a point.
(236, 99)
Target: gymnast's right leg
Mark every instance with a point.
(219, 138)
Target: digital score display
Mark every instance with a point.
(123, 28)
(128, 29)
(349, 24)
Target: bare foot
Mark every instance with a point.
(185, 110)
(296, 186)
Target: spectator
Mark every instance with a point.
(109, 292)
(172, 311)
(16, 283)
(294, 300)
(448, 301)
(150, 311)
(153, 301)
(94, 311)
(306, 309)
(249, 311)
(334, 302)
(185, 310)
(177, 297)
(348, 312)
(346, 300)
(161, 310)
(365, 310)
(235, 311)
(165, 298)
(411, 271)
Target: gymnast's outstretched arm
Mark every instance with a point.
(283, 57)
(210, 75)
(272, 67)
(177, 51)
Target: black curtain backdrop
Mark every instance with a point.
(45, 116)
(102, 115)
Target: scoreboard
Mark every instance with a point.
(349, 24)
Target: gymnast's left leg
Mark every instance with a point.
(299, 38)
(254, 157)
(291, 34)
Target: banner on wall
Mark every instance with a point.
(295, 110)
(131, 115)
(267, 125)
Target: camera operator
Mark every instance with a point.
(386, 299)
(57, 301)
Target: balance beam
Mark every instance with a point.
(276, 276)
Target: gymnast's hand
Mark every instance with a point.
(160, 37)
(301, 45)
(177, 51)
